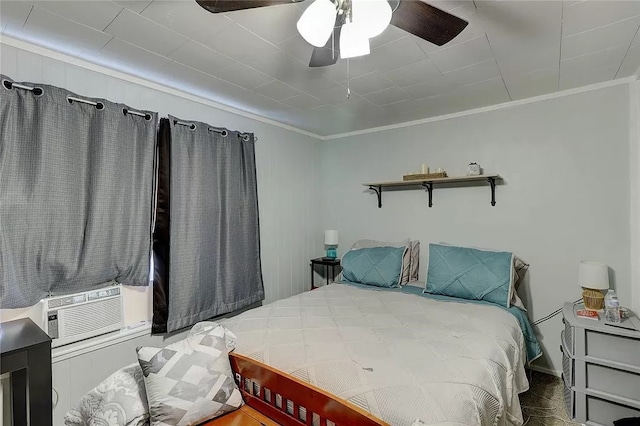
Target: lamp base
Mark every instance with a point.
(332, 253)
(593, 300)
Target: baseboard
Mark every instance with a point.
(545, 370)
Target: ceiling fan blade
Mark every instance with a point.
(330, 52)
(427, 22)
(220, 6)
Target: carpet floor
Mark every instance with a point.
(543, 403)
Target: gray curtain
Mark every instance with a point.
(76, 193)
(214, 262)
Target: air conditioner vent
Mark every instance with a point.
(81, 316)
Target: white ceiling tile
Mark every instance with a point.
(473, 73)
(355, 107)
(533, 84)
(587, 76)
(616, 34)
(201, 57)
(280, 66)
(472, 96)
(276, 90)
(601, 59)
(462, 55)
(145, 33)
(126, 57)
(631, 62)
(136, 6)
(418, 72)
(335, 95)
(402, 107)
(288, 69)
(92, 13)
(429, 88)
(297, 47)
(187, 18)
(302, 101)
(281, 21)
(528, 61)
(53, 31)
(338, 72)
(391, 33)
(235, 41)
(588, 15)
(387, 96)
(242, 75)
(394, 55)
(13, 15)
(522, 26)
(369, 83)
(190, 80)
(450, 5)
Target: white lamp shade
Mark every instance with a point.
(316, 23)
(331, 237)
(593, 275)
(353, 41)
(372, 15)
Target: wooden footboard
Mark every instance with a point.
(290, 401)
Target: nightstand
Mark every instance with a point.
(327, 263)
(601, 368)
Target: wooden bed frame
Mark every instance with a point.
(273, 397)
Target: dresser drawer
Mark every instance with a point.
(610, 347)
(613, 381)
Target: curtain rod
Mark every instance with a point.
(192, 126)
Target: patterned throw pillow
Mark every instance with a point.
(191, 382)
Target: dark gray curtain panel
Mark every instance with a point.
(214, 256)
(76, 193)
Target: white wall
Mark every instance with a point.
(287, 163)
(566, 195)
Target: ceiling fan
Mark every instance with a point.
(342, 28)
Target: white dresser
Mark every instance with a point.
(601, 369)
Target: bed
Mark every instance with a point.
(400, 357)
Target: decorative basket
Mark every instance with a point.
(593, 299)
(425, 176)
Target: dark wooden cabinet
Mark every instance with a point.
(26, 354)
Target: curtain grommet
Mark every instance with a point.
(8, 85)
(37, 91)
(147, 117)
(193, 127)
(99, 106)
(69, 100)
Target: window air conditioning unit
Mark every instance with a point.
(80, 316)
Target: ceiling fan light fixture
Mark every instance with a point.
(353, 41)
(316, 23)
(373, 15)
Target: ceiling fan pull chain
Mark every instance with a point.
(348, 78)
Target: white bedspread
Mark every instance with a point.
(401, 357)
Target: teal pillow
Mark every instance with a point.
(469, 273)
(377, 266)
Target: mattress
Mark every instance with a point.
(399, 356)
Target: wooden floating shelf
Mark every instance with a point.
(428, 185)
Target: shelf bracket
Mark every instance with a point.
(492, 182)
(429, 187)
(377, 190)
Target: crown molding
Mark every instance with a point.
(489, 108)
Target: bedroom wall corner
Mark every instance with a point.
(634, 175)
(566, 195)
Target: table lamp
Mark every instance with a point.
(593, 277)
(331, 243)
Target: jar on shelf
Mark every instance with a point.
(473, 169)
